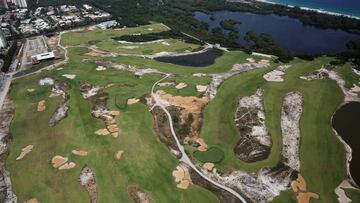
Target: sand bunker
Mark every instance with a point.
(46, 81)
(339, 191)
(58, 161)
(52, 95)
(32, 200)
(277, 74)
(250, 60)
(69, 76)
(80, 152)
(181, 86)
(67, 166)
(209, 166)
(102, 132)
(299, 186)
(182, 176)
(166, 84)
(202, 145)
(201, 88)
(41, 106)
(118, 154)
(199, 74)
(115, 113)
(24, 151)
(100, 68)
(30, 90)
(165, 43)
(132, 101)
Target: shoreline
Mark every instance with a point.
(312, 9)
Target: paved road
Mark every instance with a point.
(185, 158)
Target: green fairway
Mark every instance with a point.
(147, 162)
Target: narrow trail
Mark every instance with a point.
(184, 157)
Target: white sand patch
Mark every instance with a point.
(165, 43)
(30, 90)
(46, 81)
(324, 73)
(100, 68)
(217, 79)
(201, 88)
(262, 55)
(60, 69)
(251, 60)
(132, 101)
(357, 72)
(150, 29)
(69, 76)
(339, 191)
(166, 84)
(128, 47)
(290, 118)
(277, 74)
(258, 132)
(199, 74)
(181, 86)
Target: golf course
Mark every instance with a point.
(119, 76)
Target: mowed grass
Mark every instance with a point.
(321, 154)
(213, 155)
(97, 35)
(146, 162)
(168, 45)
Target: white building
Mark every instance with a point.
(107, 24)
(44, 56)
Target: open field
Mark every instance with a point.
(146, 162)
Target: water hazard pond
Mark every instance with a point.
(289, 33)
(202, 59)
(346, 123)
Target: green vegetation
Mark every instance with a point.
(213, 155)
(147, 162)
(152, 171)
(349, 76)
(229, 24)
(318, 142)
(354, 195)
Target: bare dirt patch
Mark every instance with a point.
(187, 115)
(60, 89)
(255, 142)
(87, 180)
(137, 195)
(24, 151)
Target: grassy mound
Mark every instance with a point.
(213, 155)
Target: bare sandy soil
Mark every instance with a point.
(80, 152)
(41, 106)
(24, 151)
(138, 195)
(182, 176)
(87, 180)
